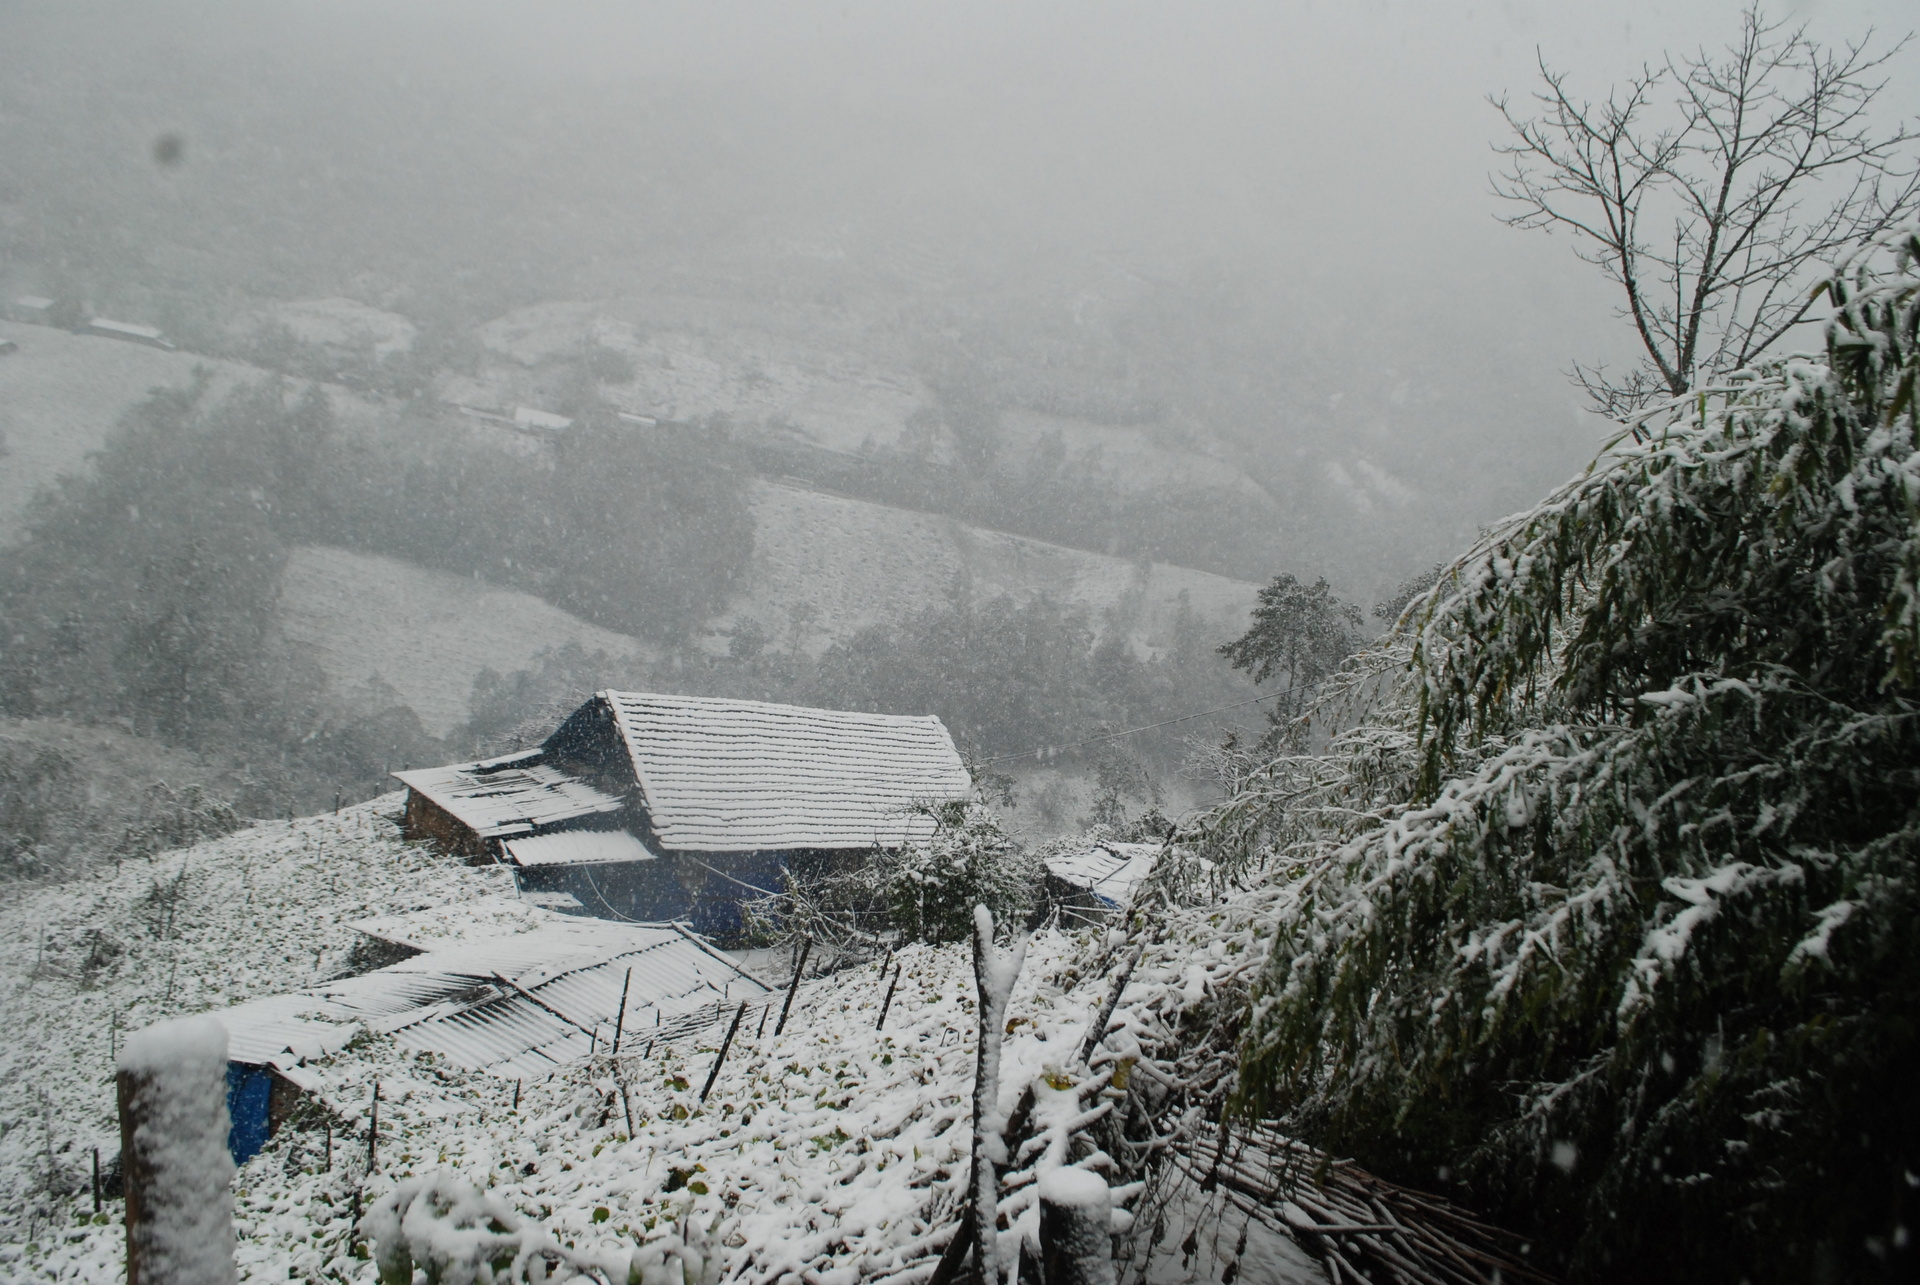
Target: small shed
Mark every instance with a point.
(471, 809)
(493, 986)
(646, 806)
(1091, 884)
(34, 308)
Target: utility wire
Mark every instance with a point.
(1134, 731)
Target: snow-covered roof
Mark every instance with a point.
(528, 417)
(512, 1005)
(577, 848)
(511, 795)
(1110, 871)
(125, 330)
(722, 775)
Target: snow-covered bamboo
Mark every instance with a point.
(994, 973)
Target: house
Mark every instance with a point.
(494, 986)
(646, 806)
(127, 331)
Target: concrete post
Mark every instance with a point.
(172, 1080)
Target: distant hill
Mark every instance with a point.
(62, 395)
(426, 634)
(826, 566)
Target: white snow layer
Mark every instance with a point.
(1075, 1187)
(834, 1153)
(177, 1084)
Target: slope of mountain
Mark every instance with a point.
(61, 395)
(826, 566)
(425, 634)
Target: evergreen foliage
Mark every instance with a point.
(1602, 904)
(1299, 630)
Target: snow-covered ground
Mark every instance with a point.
(426, 634)
(832, 1153)
(86, 961)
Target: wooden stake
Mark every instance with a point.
(764, 1014)
(620, 1020)
(725, 1044)
(373, 1127)
(889, 1001)
(329, 1146)
(96, 1180)
(799, 970)
(1098, 1031)
(516, 1095)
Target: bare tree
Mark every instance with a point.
(1712, 189)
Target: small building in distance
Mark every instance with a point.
(653, 807)
(35, 309)
(126, 331)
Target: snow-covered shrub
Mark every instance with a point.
(171, 818)
(931, 888)
(456, 1234)
(925, 891)
(1603, 903)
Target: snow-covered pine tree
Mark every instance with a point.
(1602, 908)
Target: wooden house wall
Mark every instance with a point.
(427, 820)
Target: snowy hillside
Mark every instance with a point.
(61, 395)
(426, 634)
(839, 565)
(83, 962)
(834, 1152)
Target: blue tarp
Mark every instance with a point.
(249, 1090)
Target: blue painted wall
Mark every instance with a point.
(249, 1090)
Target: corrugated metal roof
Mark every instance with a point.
(741, 776)
(1110, 871)
(509, 796)
(577, 848)
(511, 1006)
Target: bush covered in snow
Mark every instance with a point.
(1603, 903)
(924, 892)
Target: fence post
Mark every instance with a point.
(1076, 1234)
(799, 970)
(172, 1086)
(725, 1044)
